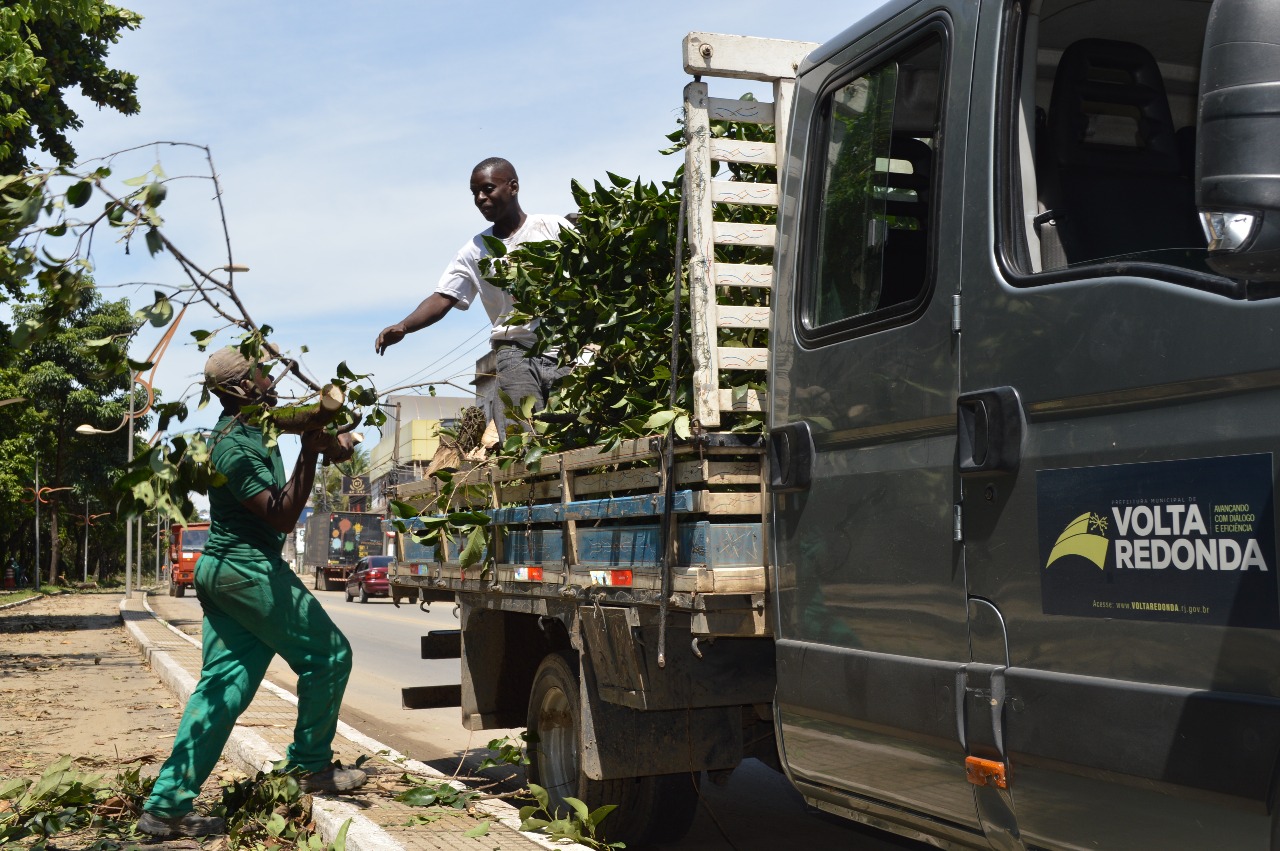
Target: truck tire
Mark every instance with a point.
(656, 808)
(316, 581)
(179, 590)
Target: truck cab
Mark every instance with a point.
(1022, 413)
(186, 545)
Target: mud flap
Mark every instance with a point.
(621, 742)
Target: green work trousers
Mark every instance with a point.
(251, 613)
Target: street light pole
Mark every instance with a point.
(35, 579)
(157, 546)
(128, 523)
(86, 540)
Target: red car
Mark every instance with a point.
(369, 579)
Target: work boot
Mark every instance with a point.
(335, 778)
(190, 824)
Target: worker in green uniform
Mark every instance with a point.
(254, 607)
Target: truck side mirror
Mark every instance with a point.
(1237, 155)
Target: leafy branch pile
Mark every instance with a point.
(65, 801)
(605, 295)
(265, 811)
(445, 797)
(270, 810)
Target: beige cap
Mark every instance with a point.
(225, 368)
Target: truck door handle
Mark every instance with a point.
(791, 457)
(990, 425)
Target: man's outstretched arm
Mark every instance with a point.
(429, 312)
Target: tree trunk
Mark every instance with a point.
(55, 544)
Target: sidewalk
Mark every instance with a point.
(259, 739)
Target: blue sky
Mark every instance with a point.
(344, 134)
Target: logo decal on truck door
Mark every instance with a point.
(1079, 539)
(1183, 541)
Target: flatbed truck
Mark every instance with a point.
(1003, 573)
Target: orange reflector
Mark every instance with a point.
(985, 772)
(619, 577)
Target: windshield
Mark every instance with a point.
(193, 540)
(380, 561)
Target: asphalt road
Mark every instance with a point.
(756, 810)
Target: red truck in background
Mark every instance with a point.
(186, 543)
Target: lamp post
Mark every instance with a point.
(87, 519)
(38, 495)
(157, 546)
(35, 571)
(128, 523)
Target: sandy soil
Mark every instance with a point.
(72, 682)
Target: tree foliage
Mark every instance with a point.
(605, 295)
(62, 387)
(51, 47)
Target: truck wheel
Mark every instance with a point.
(656, 808)
(316, 582)
(179, 590)
(364, 594)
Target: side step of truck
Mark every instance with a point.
(442, 644)
(431, 697)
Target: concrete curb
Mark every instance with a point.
(253, 753)
(17, 603)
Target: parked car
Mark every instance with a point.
(369, 579)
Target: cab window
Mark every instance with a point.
(1097, 143)
(875, 158)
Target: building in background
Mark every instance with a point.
(410, 438)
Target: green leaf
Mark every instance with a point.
(540, 795)
(681, 426)
(154, 244)
(276, 824)
(340, 841)
(474, 550)
(598, 814)
(159, 312)
(479, 830)
(78, 193)
(659, 420)
(403, 510)
(13, 787)
(581, 809)
(419, 796)
(137, 181)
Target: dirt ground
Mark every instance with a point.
(72, 682)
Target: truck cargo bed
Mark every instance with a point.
(587, 526)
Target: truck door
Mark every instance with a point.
(872, 603)
(1120, 404)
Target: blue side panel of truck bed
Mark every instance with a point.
(615, 508)
(701, 543)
